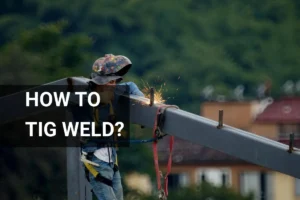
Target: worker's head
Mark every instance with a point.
(108, 71)
(104, 85)
(111, 64)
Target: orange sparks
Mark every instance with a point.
(158, 98)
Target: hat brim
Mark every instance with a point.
(124, 70)
(102, 80)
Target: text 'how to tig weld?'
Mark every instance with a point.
(84, 129)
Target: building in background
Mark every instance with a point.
(194, 163)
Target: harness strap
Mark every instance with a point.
(104, 180)
(97, 175)
(156, 130)
(111, 117)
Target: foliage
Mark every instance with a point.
(223, 44)
(43, 54)
(28, 173)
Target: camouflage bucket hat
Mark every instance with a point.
(111, 64)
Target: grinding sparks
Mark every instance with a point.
(158, 98)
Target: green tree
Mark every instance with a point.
(220, 43)
(43, 54)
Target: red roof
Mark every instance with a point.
(285, 110)
(188, 153)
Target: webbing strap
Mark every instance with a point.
(155, 154)
(104, 180)
(91, 169)
(97, 175)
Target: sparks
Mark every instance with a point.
(158, 98)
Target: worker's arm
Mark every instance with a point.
(133, 88)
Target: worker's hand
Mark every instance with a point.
(133, 88)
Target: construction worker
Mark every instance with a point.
(100, 161)
(110, 65)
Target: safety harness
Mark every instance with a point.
(86, 157)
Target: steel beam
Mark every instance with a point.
(232, 141)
